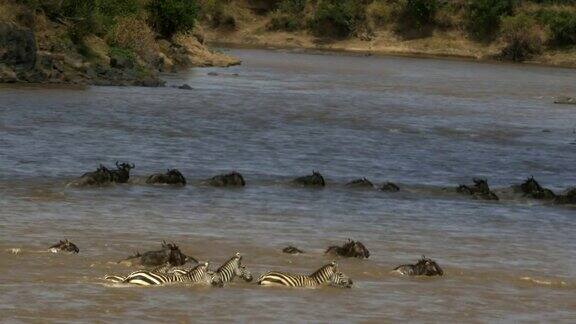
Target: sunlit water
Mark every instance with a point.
(424, 124)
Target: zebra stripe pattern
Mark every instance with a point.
(198, 274)
(231, 269)
(327, 275)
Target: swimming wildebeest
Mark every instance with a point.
(531, 188)
(350, 249)
(292, 250)
(101, 176)
(389, 186)
(171, 177)
(232, 179)
(313, 180)
(569, 197)
(424, 267)
(480, 190)
(122, 173)
(64, 246)
(360, 183)
(169, 254)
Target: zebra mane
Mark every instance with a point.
(236, 258)
(332, 265)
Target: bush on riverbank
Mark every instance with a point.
(483, 17)
(288, 16)
(561, 20)
(168, 17)
(523, 36)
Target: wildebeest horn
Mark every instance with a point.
(117, 164)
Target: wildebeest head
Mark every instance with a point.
(530, 186)
(427, 267)
(318, 178)
(232, 179)
(389, 186)
(175, 256)
(65, 246)
(481, 185)
(175, 176)
(125, 166)
(356, 249)
(351, 249)
(292, 250)
(360, 183)
(313, 180)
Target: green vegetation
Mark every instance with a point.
(219, 13)
(288, 16)
(523, 36)
(561, 21)
(336, 18)
(524, 28)
(169, 17)
(418, 14)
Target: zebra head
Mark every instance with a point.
(335, 277)
(243, 273)
(339, 279)
(239, 269)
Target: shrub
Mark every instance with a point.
(418, 14)
(284, 21)
(168, 17)
(482, 17)
(219, 13)
(523, 36)
(562, 24)
(134, 34)
(288, 16)
(336, 18)
(292, 6)
(90, 16)
(379, 13)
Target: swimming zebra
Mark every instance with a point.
(229, 270)
(198, 274)
(328, 274)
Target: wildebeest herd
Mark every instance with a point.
(170, 265)
(479, 190)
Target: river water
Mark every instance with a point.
(424, 124)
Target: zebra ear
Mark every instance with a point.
(238, 255)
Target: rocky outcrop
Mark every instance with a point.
(17, 46)
(186, 50)
(42, 56)
(17, 51)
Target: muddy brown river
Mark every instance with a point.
(424, 124)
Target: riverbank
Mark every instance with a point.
(444, 46)
(116, 46)
(390, 28)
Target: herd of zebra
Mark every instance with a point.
(201, 274)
